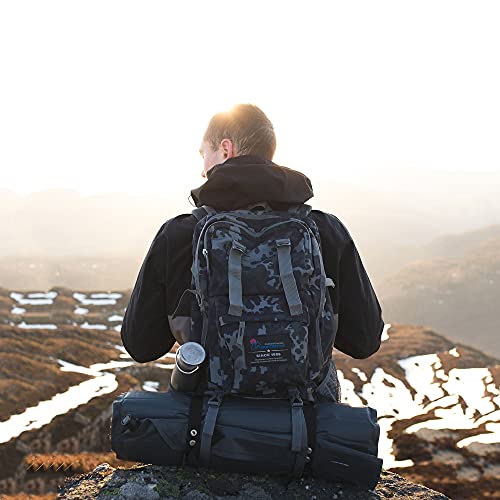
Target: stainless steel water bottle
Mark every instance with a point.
(186, 373)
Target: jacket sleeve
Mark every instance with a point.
(360, 317)
(145, 329)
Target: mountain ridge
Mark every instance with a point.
(414, 380)
(457, 296)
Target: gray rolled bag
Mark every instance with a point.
(336, 442)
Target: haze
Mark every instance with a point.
(114, 96)
(99, 241)
(391, 108)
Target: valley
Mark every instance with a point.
(63, 364)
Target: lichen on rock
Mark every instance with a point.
(152, 482)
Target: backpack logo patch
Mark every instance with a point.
(264, 349)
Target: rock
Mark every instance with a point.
(154, 482)
(137, 490)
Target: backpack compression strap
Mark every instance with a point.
(234, 279)
(287, 277)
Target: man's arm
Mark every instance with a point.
(145, 330)
(360, 316)
(360, 322)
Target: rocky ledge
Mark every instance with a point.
(150, 482)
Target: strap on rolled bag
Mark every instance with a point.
(299, 431)
(213, 407)
(310, 418)
(194, 430)
(301, 438)
(191, 455)
(299, 435)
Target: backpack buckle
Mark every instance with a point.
(283, 243)
(199, 300)
(130, 422)
(238, 246)
(295, 398)
(215, 399)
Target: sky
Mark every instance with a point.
(115, 96)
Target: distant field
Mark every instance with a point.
(77, 273)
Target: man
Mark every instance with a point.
(237, 151)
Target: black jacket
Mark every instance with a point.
(149, 331)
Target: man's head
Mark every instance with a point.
(243, 130)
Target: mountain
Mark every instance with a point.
(457, 245)
(458, 296)
(438, 401)
(59, 236)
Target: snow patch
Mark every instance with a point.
(48, 326)
(420, 372)
(385, 332)
(94, 327)
(45, 411)
(106, 295)
(96, 301)
(110, 365)
(434, 391)
(469, 385)
(121, 349)
(18, 297)
(360, 374)
(151, 386)
(45, 295)
(492, 437)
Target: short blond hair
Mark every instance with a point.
(246, 125)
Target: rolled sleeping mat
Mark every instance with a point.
(250, 436)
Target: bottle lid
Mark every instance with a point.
(191, 354)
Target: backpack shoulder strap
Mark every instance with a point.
(203, 211)
(302, 210)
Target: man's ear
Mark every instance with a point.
(227, 148)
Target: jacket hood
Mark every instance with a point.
(243, 180)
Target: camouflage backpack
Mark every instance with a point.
(262, 310)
